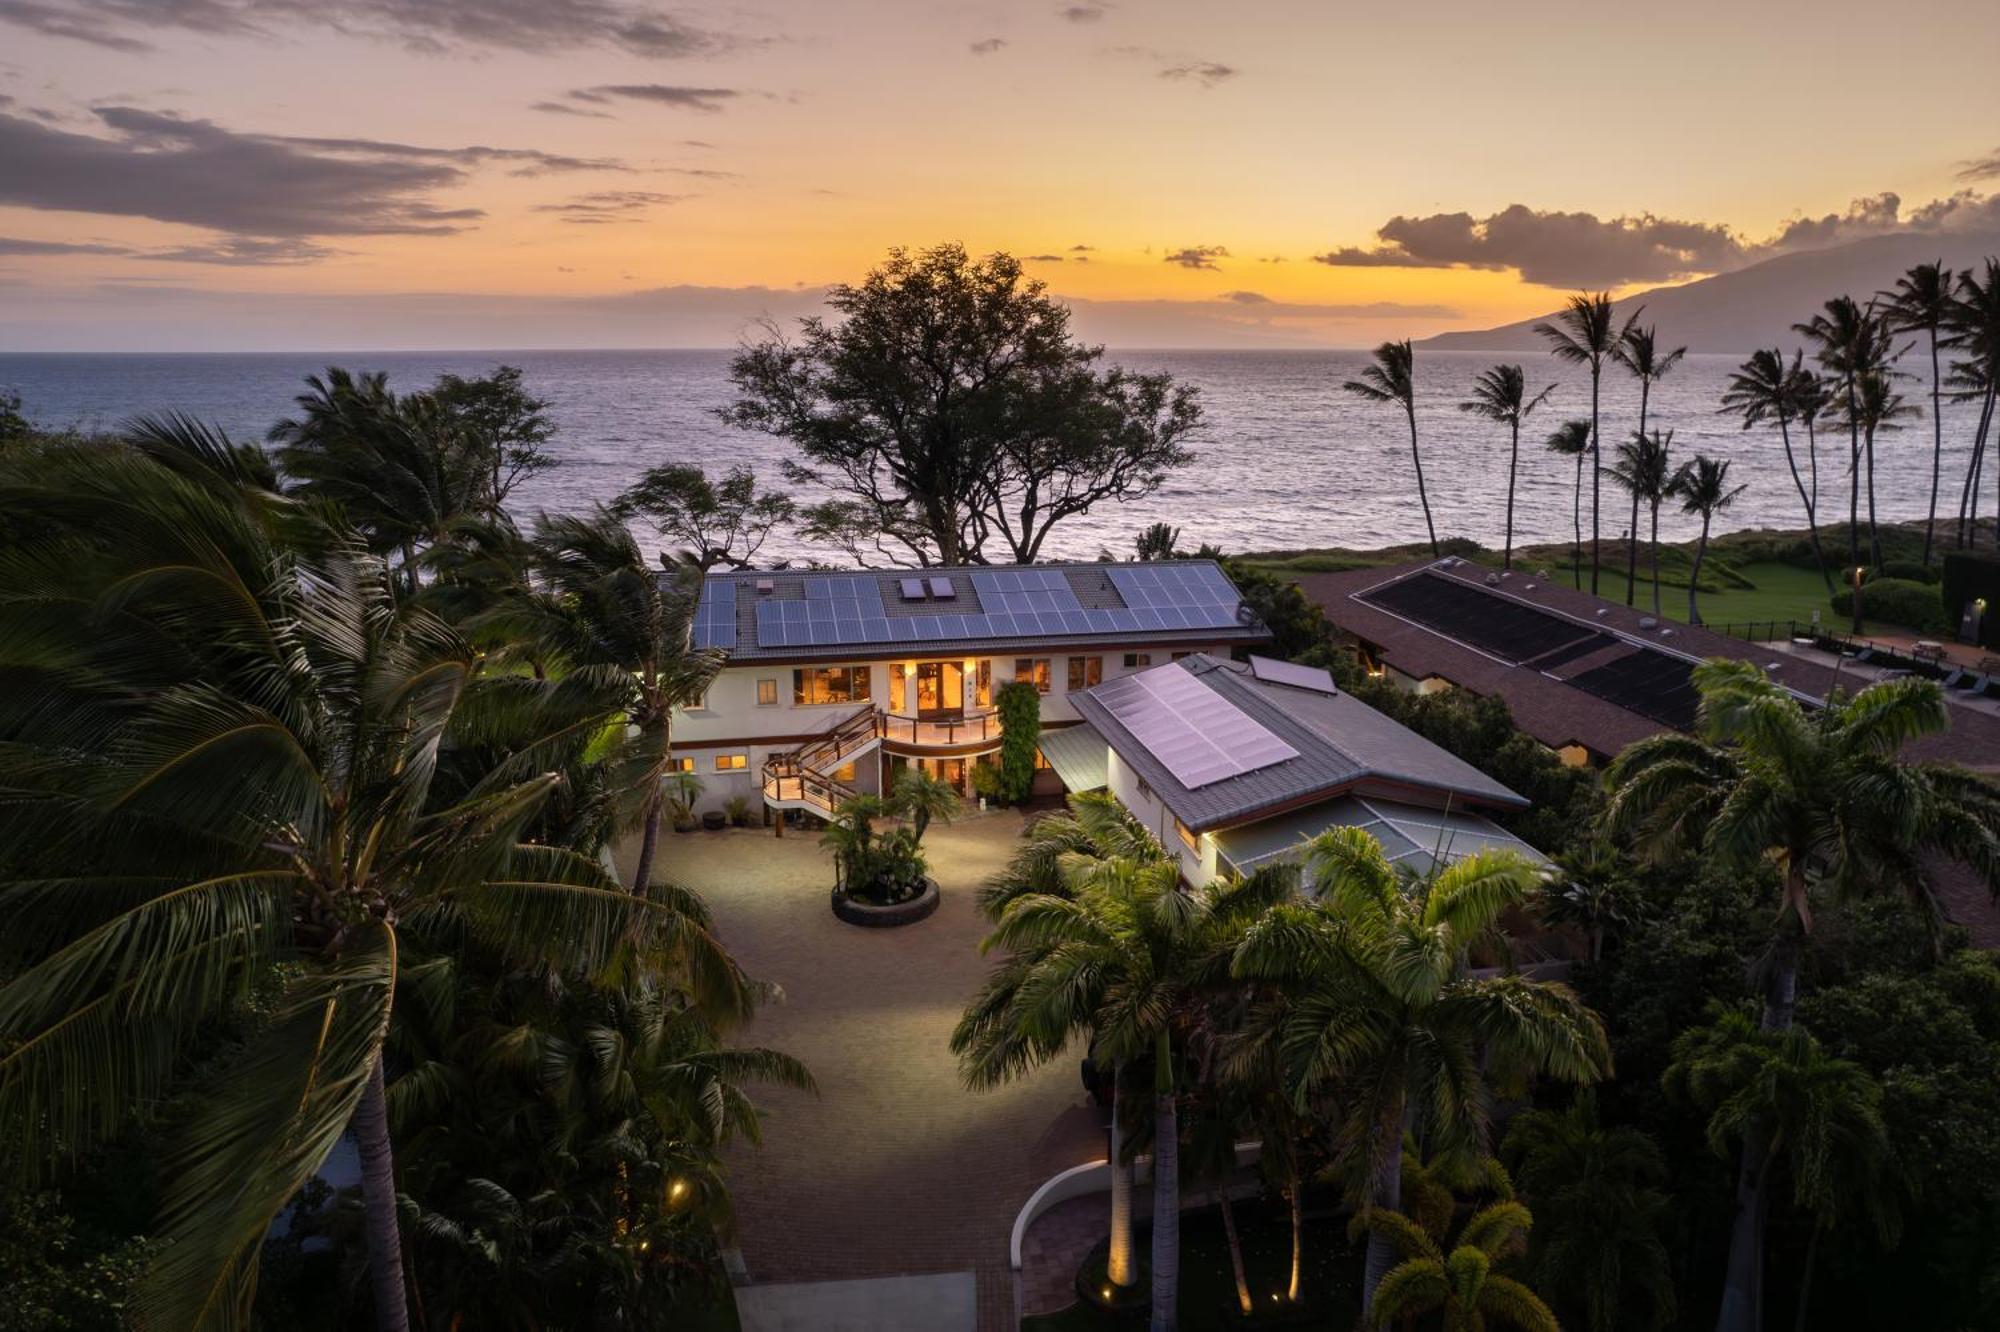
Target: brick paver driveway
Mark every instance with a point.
(894, 1169)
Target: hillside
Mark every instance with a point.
(1756, 306)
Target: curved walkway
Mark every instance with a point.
(894, 1170)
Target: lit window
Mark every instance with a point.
(1034, 669)
(699, 703)
(731, 762)
(844, 773)
(1189, 838)
(679, 764)
(1041, 763)
(1085, 672)
(830, 684)
(767, 693)
(1135, 661)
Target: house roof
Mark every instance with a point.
(844, 614)
(1079, 756)
(1422, 839)
(1341, 744)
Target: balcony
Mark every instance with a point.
(951, 732)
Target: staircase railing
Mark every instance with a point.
(805, 774)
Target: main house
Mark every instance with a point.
(837, 680)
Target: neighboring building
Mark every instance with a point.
(838, 679)
(1233, 765)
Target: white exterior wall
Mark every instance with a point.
(732, 722)
(1196, 867)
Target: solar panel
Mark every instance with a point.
(1506, 629)
(715, 615)
(942, 590)
(1316, 678)
(913, 589)
(1200, 736)
(1650, 683)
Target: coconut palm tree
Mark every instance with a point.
(1764, 389)
(1392, 378)
(1455, 1276)
(1703, 488)
(1645, 471)
(1777, 1096)
(1501, 394)
(1850, 344)
(1638, 351)
(1810, 397)
(1599, 1202)
(1975, 333)
(223, 754)
(1571, 439)
(616, 614)
(1590, 887)
(1384, 1007)
(1127, 956)
(1921, 303)
(1971, 382)
(924, 799)
(1586, 332)
(1880, 408)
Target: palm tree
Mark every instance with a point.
(1851, 343)
(1586, 332)
(1599, 1202)
(1125, 955)
(1971, 382)
(1645, 470)
(1392, 378)
(1501, 394)
(1777, 1096)
(1382, 1004)
(923, 799)
(1810, 396)
(1921, 303)
(1764, 389)
(1639, 353)
(1704, 489)
(1455, 1275)
(1571, 439)
(628, 622)
(223, 761)
(1880, 407)
(1589, 887)
(1975, 332)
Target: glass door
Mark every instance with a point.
(940, 689)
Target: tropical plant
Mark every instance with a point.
(1019, 705)
(1777, 1098)
(1599, 1199)
(1975, 332)
(1571, 439)
(1454, 1275)
(1587, 332)
(1764, 389)
(1384, 1008)
(223, 754)
(1881, 408)
(881, 865)
(723, 521)
(1645, 470)
(1157, 542)
(501, 425)
(1921, 302)
(1501, 395)
(1703, 488)
(1590, 887)
(923, 798)
(1851, 343)
(1391, 378)
(1638, 351)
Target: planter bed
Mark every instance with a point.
(857, 912)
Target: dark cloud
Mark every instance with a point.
(237, 251)
(1045, 259)
(659, 94)
(605, 206)
(987, 45)
(565, 109)
(1198, 256)
(1082, 13)
(1082, 249)
(13, 245)
(1980, 168)
(435, 26)
(1207, 73)
(1246, 297)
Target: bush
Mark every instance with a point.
(1898, 601)
(1020, 709)
(1970, 576)
(738, 810)
(1910, 571)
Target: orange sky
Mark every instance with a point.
(794, 143)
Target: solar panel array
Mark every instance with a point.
(1316, 678)
(1507, 629)
(1200, 736)
(1177, 585)
(1018, 591)
(1649, 683)
(715, 615)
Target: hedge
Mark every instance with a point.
(1968, 576)
(1897, 601)
(1020, 709)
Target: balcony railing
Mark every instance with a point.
(941, 732)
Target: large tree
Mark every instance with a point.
(503, 426)
(1921, 303)
(948, 405)
(711, 521)
(1851, 343)
(1975, 335)
(1703, 488)
(1645, 471)
(1764, 389)
(1639, 352)
(1391, 377)
(1571, 439)
(1586, 332)
(1501, 395)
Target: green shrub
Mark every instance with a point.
(1971, 576)
(738, 810)
(1898, 601)
(1020, 709)
(1910, 571)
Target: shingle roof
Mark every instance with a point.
(1341, 743)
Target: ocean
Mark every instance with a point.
(1285, 459)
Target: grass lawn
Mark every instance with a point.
(1331, 1283)
(1778, 592)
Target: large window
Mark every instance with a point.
(1085, 672)
(767, 693)
(830, 684)
(731, 762)
(1035, 670)
(1138, 661)
(680, 763)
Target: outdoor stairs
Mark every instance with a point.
(803, 778)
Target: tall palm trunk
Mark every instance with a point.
(1937, 471)
(1967, 508)
(1596, 478)
(1118, 1263)
(1295, 1195)
(1853, 479)
(1743, 1285)
(1655, 554)
(1812, 461)
(1513, 466)
(1235, 1246)
(1632, 545)
(1812, 518)
(1874, 533)
(378, 1194)
(649, 838)
(1423, 497)
(1694, 583)
(1576, 519)
(1166, 1213)
(1799, 1323)
(1385, 1191)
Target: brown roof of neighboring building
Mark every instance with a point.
(1558, 713)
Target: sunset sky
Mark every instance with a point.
(246, 173)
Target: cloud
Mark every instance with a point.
(1207, 73)
(1550, 248)
(708, 100)
(1246, 297)
(1045, 259)
(14, 245)
(610, 206)
(986, 45)
(1980, 168)
(235, 251)
(1082, 13)
(1081, 249)
(434, 27)
(1198, 256)
(565, 109)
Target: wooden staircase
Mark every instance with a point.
(803, 778)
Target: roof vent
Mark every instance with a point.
(1529, 587)
(1448, 562)
(1666, 633)
(1648, 622)
(765, 587)
(1604, 610)
(1493, 580)
(1773, 665)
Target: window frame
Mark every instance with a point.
(735, 761)
(1091, 669)
(767, 684)
(1039, 673)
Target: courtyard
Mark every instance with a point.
(894, 1170)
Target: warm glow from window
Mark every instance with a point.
(731, 762)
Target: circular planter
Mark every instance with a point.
(857, 912)
(715, 820)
